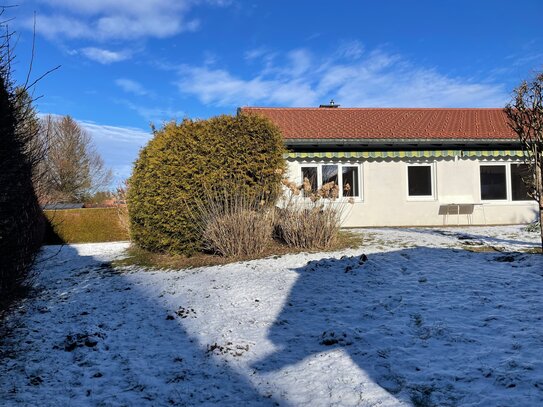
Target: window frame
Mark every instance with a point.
(433, 183)
(300, 174)
(359, 198)
(508, 183)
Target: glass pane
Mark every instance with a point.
(493, 184)
(350, 181)
(520, 174)
(420, 180)
(329, 174)
(310, 173)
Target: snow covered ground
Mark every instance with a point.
(418, 321)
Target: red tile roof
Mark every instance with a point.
(388, 123)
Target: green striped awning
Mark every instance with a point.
(408, 154)
(493, 153)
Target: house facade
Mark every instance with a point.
(410, 167)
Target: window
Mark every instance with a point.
(329, 174)
(493, 182)
(505, 182)
(520, 174)
(311, 174)
(347, 176)
(350, 181)
(419, 181)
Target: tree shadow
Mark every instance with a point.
(91, 335)
(430, 326)
(50, 236)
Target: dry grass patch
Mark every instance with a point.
(145, 258)
(233, 224)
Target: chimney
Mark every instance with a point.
(330, 105)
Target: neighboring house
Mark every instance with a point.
(62, 206)
(410, 167)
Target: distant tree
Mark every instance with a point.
(525, 113)
(74, 169)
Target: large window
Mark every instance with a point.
(420, 181)
(346, 176)
(493, 182)
(501, 182)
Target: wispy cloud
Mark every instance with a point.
(118, 146)
(105, 56)
(131, 86)
(117, 20)
(351, 49)
(154, 114)
(350, 75)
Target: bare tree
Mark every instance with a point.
(525, 114)
(74, 169)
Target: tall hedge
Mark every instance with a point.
(184, 161)
(21, 218)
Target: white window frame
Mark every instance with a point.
(507, 181)
(433, 183)
(359, 198)
(508, 184)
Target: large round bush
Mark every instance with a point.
(185, 161)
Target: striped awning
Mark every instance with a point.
(408, 154)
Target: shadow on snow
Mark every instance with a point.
(430, 326)
(111, 345)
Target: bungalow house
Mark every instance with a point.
(410, 167)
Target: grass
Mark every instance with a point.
(84, 226)
(140, 257)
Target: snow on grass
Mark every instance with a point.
(410, 318)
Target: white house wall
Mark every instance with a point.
(385, 200)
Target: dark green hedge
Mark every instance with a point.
(184, 161)
(21, 219)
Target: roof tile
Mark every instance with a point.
(388, 123)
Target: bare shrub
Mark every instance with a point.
(122, 209)
(235, 225)
(307, 219)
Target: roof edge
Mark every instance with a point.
(352, 141)
(243, 108)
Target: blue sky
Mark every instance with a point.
(127, 63)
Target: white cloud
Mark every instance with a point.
(219, 87)
(155, 115)
(105, 56)
(116, 20)
(351, 76)
(255, 53)
(130, 86)
(118, 146)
